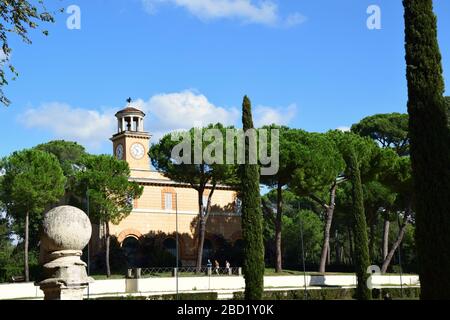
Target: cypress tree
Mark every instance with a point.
(362, 260)
(447, 100)
(252, 230)
(430, 148)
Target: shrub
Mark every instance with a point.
(334, 294)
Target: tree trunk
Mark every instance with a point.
(200, 244)
(203, 214)
(326, 234)
(329, 255)
(278, 263)
(108, 240)
(397, 242)
(386, 238)
(201, 231)
(27, 223)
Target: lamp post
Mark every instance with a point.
(303, 253)
(400, 263)
(89, 243)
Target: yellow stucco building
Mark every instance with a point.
(164, 202)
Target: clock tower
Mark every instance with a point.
(131, 142)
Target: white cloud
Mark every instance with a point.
(165, 112)
(88, 127)
(295, 19)
(268, 115)
(182, 111)
(344, 129)
(248, 11)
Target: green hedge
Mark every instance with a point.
(335, 294)
(319, 294)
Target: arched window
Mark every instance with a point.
(131, 248)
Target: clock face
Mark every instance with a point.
(137, 151)
(119, 152)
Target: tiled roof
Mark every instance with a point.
(130, 109)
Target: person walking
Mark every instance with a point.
(216, 267)
(209, 268)
(227, 267)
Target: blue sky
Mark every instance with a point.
(311, 64)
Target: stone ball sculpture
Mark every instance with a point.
(65, 228)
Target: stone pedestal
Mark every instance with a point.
(59, 291)
(66, 231)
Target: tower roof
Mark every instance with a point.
(130, 110)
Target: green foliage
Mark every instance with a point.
(295, 217)
(377, 195)
(111, 194)
(390, 130)
(117, 259)
(430, 147)
(399, 180)
(447, 100)
(6, 251)
(335, 294)
(319, 162)
(33, 181)
(393, 182)
(69, 155)
(12, 263)
(195, 172)
(11, 256)
(408, 251)
(312, 227)
(362, 260)
(308, 162)
(371, 159)
(293, 151)
(18, 17)
(253, 265)
(155, 255)
(377, 198)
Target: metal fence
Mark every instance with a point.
(182, 272)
